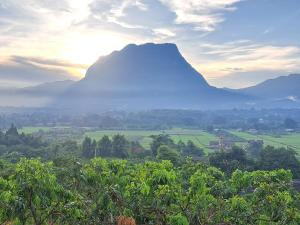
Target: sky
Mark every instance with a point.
(232, 43)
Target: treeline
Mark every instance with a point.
(14, 146)
(108, 192)
(162, 147)
(268, 158)
(117, 146)
(264, 120)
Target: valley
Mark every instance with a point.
(201, 138)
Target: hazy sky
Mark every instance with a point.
(232, 43)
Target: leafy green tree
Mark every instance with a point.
(12, 131)
(228, 161)
(100, 191)
(161, 139)
(105, 146)
(279, 158)
(120, 146)
(104, 185)
(164, 152)
(88, 147)
(33, 196)
(192, 150)
(153, 194)
(69, 147)
(254, 148)
(178, 219)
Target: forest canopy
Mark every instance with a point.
(101, 191)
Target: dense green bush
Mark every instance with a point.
(97, 192)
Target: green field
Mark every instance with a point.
(199, 137)
(30, 130)
(290, 140)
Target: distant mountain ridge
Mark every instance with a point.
(280, 92)
(48, 89)
(148, 76)
(34, 96)
(283, 87)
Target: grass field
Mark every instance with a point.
(199, 137)
(290, 140)
(30, 130)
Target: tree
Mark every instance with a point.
(164, 152)
(255, 147)
(236, 158)
(192, 150)
(13, 131)
(136, 148)
(279, 158)
(158, 140)
(110, 191)
(69, 147)
(104, 146)
(88, 147)
(33, 196)
(120, 146)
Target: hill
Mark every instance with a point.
(282, 91)
(34, 96)
(148, 76)
(280, 87)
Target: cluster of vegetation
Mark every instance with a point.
(172, 183)
(254, 157)
(118, 147)
(269, 158)
(162, 147)
(14, 146)
(105, 192)
(264, 120)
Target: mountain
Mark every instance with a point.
(49, 89)
(280, 91)
(148, 76)
(283, 87)
(34, 96)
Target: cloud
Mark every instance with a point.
(114, 11)
(62, 37)
(42, 62)
(223, 63)
(145, 19)
(22, 71)
(250, 56)
(163, 33)
(204, 15)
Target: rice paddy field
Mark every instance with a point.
(30, 130)
(199, 137)
(288, 140)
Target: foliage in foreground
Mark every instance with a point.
(157, 193)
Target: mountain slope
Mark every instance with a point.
(34, 96)
(145, 77)
(50, 89)
(280, 92)
(284, 87)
